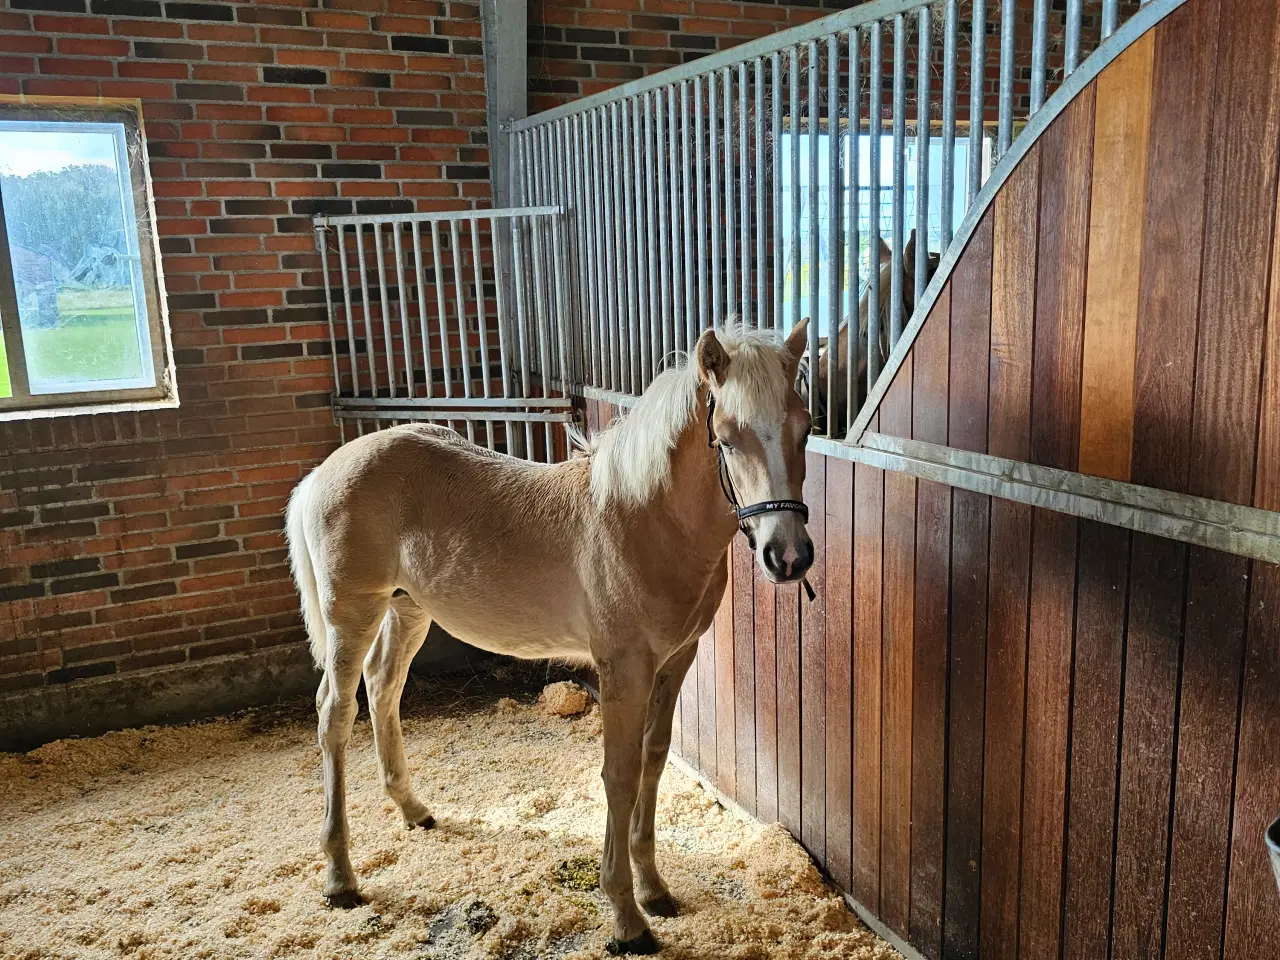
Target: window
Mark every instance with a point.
(81, 307)
(794, 259)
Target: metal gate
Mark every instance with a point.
(422, 326)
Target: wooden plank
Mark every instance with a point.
(1156, 588)
(1253, 909)
(813, 671)
(1095, 738)
(766, 672)
(1049, 653)
(1008, 435)
(1237, 253)
(1117, 208)
(788, 652)
(1066, 152)
(744, 671)
(1184, 73)
(1013, 285)
(929, 413)
(968, 388)
(725, 724)
(868, 532)
(966, 720)
(1213, 649)
(707, 752)
(929, 714)
(970, 341)
(839, 662)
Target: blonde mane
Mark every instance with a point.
(631, 459)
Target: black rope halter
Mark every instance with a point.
(753, 509)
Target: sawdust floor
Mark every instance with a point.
(200, 841)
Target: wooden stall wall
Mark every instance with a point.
(1009, 732)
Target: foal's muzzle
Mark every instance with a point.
(787, 563)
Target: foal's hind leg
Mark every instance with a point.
(350, 634)
(385, 669)
(650, 888)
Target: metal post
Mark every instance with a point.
(949, 125)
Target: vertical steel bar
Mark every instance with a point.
(924, 56)
(568, 174)
(644, 241)
(652, 165)
(540, 314)
(1071, 58)
(664, 223)
(977, 95)
(703, 283)
(590, 318)
(517, 233)
(815, 225)
(419, 269)
(600, 229)
(873, 214)
(369, 346)
(795, 256)
(352, 333)
(852, 251)
(464, 348)
(744, 198)
(835, 235)
(504, 353)
(713, 150)
(897, 273)
(1039, 27)
(1108, 18)
(687, 223)
(482, 323)
(762, 306)
(627, 156)
(559, 265)
(441, 315)
(322, 245)
(388, 345)
(948, 125)
(677, 175)
(1005, 131)
(623, 355)
(403, 293)
(775, 184)
(730, 203)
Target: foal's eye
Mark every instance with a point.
(726, 447)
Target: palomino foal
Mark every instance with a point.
(616, 559)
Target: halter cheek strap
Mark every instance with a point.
(753, 509)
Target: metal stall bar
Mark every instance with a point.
(873, 215)
(1007, 10)
(815, 202)
(1108, 18)
(761, 186)
(730, 213)
(482, 325)
(793, 144)
(977, 78)
(924, 57)
(948, 124)
(896, 271)
(402, 291)
(852, 267)
(627, 157)
(1071, 56)
(713, 173)
(464, 347)
(835, 249)
(700, 167)
(686, 201)
(666, 195)
(744, 198)
(678, 174)
(775, 185)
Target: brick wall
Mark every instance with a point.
(135, 541)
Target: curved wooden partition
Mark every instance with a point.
(1006, 728)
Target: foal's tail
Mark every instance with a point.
(303, 573)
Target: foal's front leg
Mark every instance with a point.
(655, 897)
(626, 682)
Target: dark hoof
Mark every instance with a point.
(644, 945)
(346, 900)
(664, 906)
(427, 822)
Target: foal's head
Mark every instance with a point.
(760, 425)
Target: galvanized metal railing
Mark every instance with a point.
(760, 181)
(422, 326)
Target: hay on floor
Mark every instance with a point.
(201, 842)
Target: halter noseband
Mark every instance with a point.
(753, 509)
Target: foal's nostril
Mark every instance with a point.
(806, 558)
(773, 561)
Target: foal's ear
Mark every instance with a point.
(885, 253)
(712, 359)
(909, 255)
(797, 343)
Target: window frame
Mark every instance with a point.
(23, 404)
